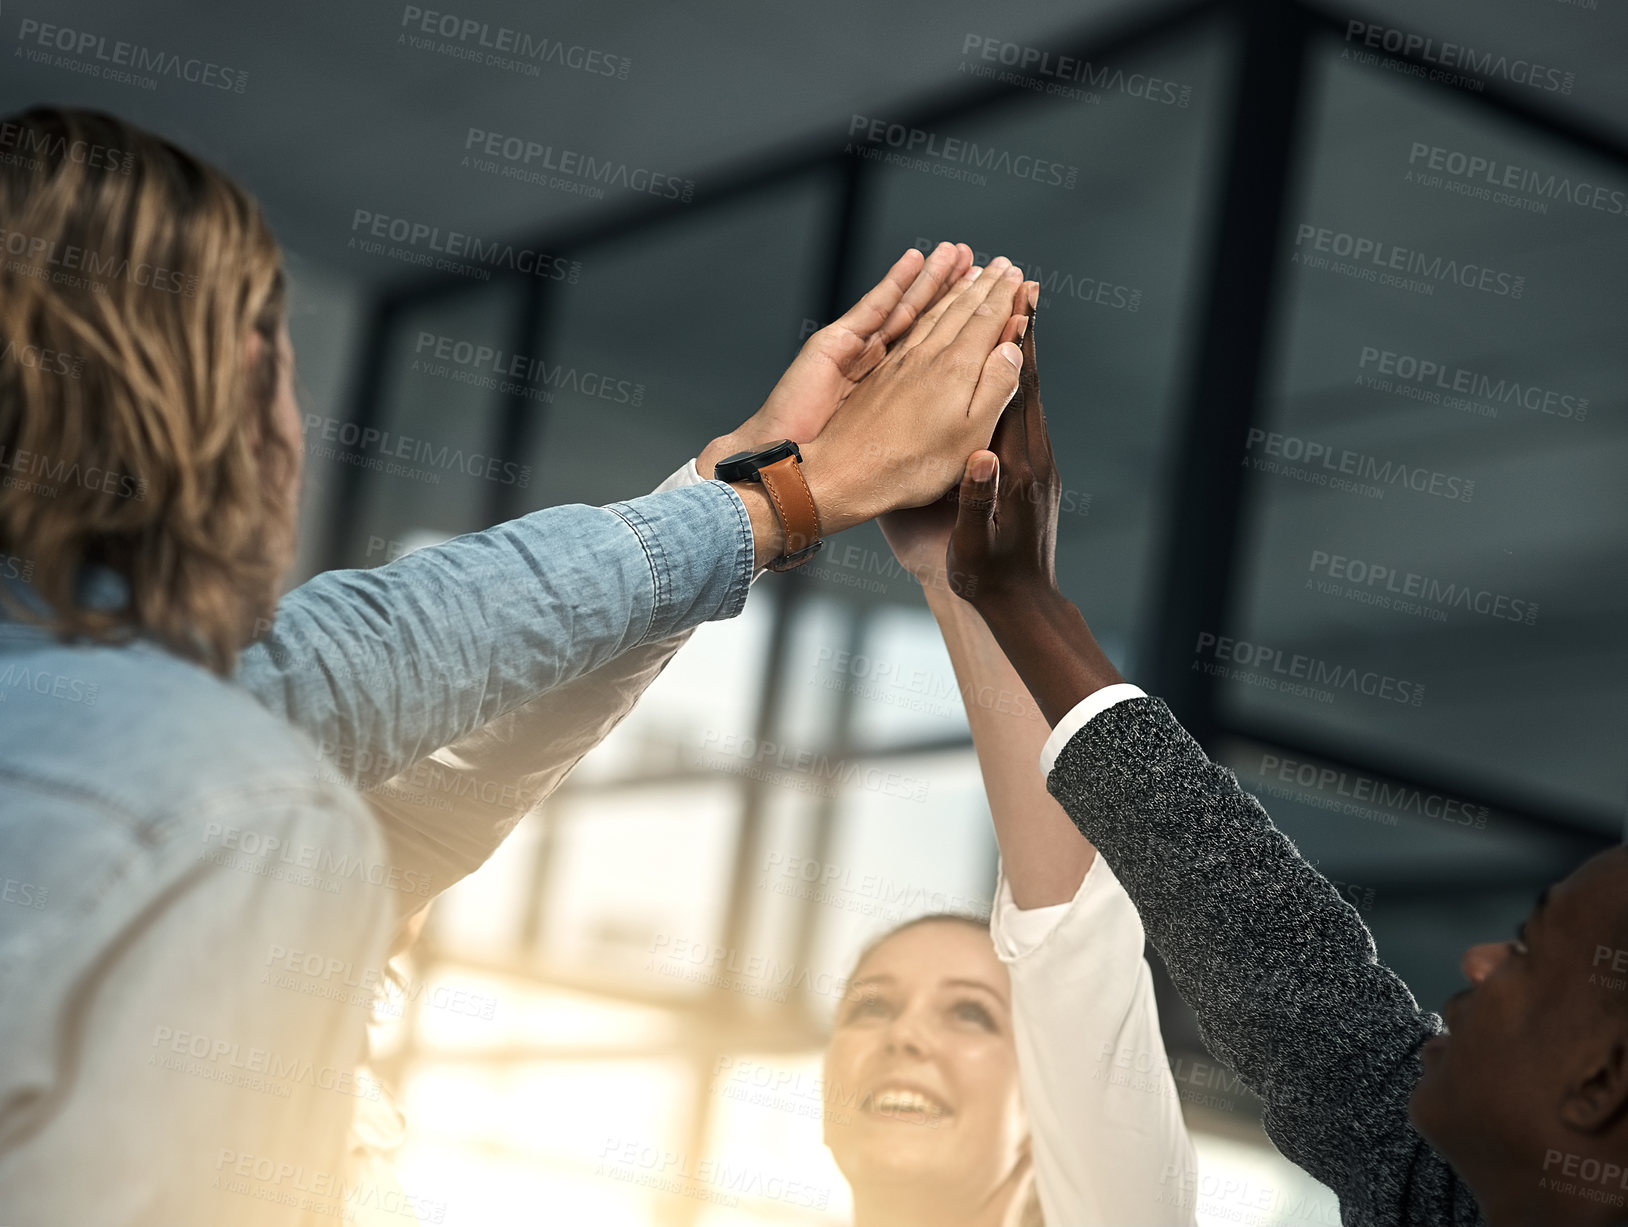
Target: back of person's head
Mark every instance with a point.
(141, 310)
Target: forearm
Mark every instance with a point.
(445, 816)
(1051, 648)
(1043, 853)
(1282, 974)
(381, 667)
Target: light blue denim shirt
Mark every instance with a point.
(182, 872)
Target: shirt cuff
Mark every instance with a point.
(689, 475)
(1094, 704)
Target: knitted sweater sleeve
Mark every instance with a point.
(1281, 971)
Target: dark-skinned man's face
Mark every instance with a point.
(1543, 1013)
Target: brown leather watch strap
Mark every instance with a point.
(794, 504)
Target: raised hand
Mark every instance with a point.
(920, 536)
(834, 360)
(1003, 543)
(901, 437)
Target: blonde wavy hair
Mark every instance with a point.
(135, 433)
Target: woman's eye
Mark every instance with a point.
(971, 1011)
(867, 1007)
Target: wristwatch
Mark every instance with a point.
(779, 468)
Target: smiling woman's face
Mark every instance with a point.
(921, 1082)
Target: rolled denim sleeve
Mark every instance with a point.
(381, 667)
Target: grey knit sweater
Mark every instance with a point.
(1280, 970)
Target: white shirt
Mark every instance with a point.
(1106, 1126)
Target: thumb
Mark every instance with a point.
(979, 481)
(972, 540)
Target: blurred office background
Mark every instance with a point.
(1269, 448)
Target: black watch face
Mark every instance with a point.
(743, 466)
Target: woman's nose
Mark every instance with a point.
(907, 1034)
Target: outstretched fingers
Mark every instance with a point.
(973, 325)
(963, 306)
(1036, 438)
(941, 272)
(871, 312)
(929, 320)
(912, 285)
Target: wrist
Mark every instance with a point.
(941, 598)
(1008, 609)
(723, 445)
(840, 500)
(768, 534)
